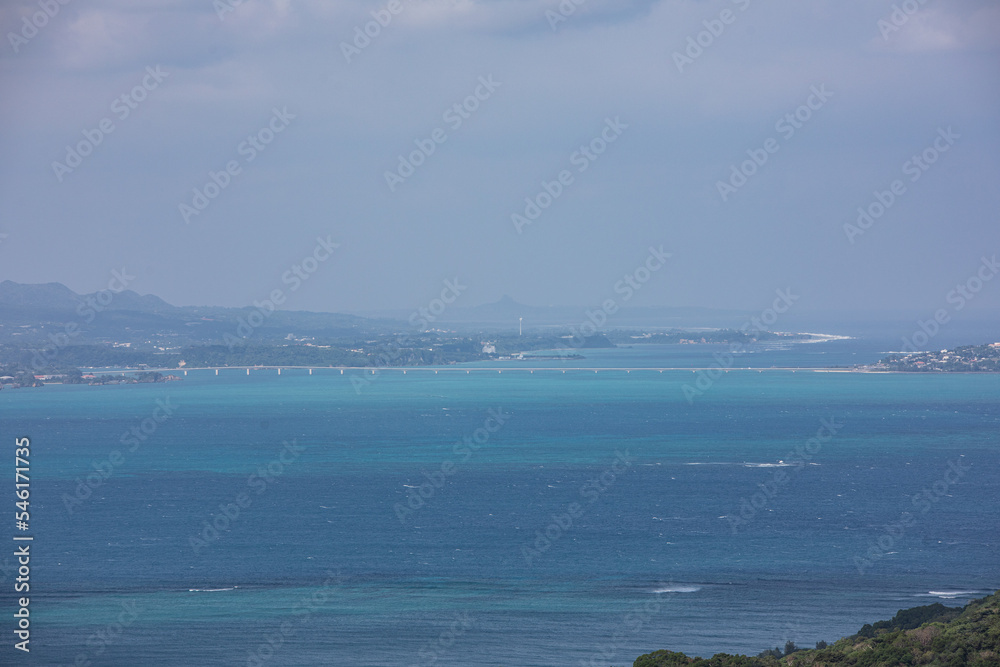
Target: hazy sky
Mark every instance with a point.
(626, 78)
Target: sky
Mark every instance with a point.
(204, 150)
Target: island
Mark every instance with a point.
(932, 635)
(50, 334)
(32, 362)
(965, 359)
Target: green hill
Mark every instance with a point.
(934, 635)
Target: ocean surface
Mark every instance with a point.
(508, 514)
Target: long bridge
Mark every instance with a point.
(369, 370)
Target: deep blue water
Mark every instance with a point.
(653, 558)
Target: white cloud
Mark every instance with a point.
(955, 27)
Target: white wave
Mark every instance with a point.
(822, 338)
(677, 589)
(779, 464)
(210, 590)
(952, 594)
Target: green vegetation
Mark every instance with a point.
(933, 635)
(965, 359)
(23, 360)
(17, 376)
(138, 378)
(52, 331)
(718, 336)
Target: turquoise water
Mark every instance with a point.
(653, 542)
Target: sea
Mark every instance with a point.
(516, 513)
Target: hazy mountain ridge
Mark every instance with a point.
(108, 313)
(127, 315)
(56, 296)
(507, 313)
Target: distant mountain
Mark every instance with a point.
(140, 303)
(37, 311)
(56, 296)
(47, 295)
(506, 313)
